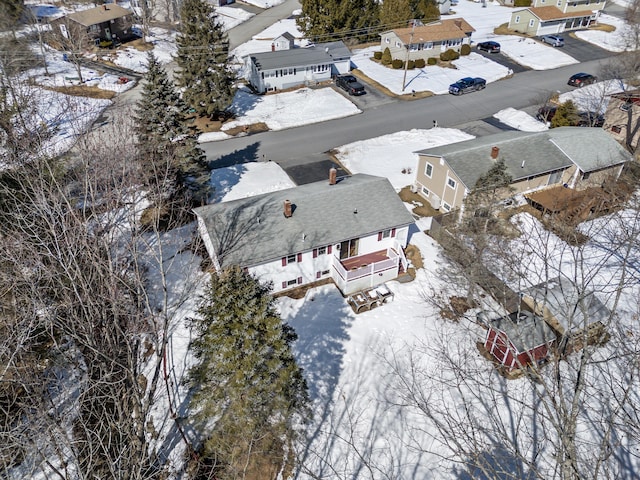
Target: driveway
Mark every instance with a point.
(373, 98)
(503, 60)
(581, 50)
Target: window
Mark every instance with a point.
(292, 282)
(398, 44)
(428, 46)
(517, 20)
(451, 182)
(425, 192)
(428, 170)
(386, 40)
(291, 259)
(559, 3)
(532, 22)
(626, 106)
(586, 175)
(322, 250)
(386, 234)
(616, 129)
(446, 206)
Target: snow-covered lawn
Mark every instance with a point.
(594, 97)
(289, 109)
(616, 41)
(392, 156)
(431, 78)
(520, 120)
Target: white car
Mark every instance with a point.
(553, 40)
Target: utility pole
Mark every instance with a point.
(406, 57)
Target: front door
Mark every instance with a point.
(107, 33)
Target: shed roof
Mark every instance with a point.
(101, 14)
(324, 53)
(573, 307)
(254, 230)
(525, 330)
(529, 154)
(447, 29)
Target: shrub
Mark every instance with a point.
(449, 55)
(386, 56)
(411, 64)
(432, 61)
(397, 63)
(522, 3)
(377, 55)
(465, 49)
(419, 63)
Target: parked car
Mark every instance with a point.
(582, 79)
(491, 47)
(350, 84)
(553, 40)
(583, 119)
(466, 85)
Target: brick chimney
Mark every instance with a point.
(104, 7)
(332, 176)
(287, 209)
(494, 152)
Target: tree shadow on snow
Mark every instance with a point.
(244, 155)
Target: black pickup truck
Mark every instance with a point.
(467, 84)
(350, 84)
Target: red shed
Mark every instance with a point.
(519, 339)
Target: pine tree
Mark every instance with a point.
(566, 115)
(425, 10)
(203, 60)
(395, 13)
(357, 19)
(165, 134)
(246, 378)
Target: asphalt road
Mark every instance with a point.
(306, 144)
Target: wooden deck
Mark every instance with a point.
(364, 260)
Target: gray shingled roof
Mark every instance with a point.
(590, 148)
(525, 330)
(301, 57)
(573, 309)
(529, 154)
(254, 230)
(94, 16)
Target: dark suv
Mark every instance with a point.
(350, 84)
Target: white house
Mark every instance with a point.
(352, 230)
(287, 68)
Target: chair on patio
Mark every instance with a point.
(384, 294)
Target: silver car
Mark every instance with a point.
(553, 40)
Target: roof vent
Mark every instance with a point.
(494, 152)
(288, 211)
(333, 173)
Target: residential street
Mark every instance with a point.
(302, 145)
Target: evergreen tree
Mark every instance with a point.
(246, 378)
(425, 10)
(566, 115)
(165, 134)
(492, 186)
(357, 19)
(203, 60)
(395, 13)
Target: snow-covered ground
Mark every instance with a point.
(392, 156)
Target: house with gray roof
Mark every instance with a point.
(106, 23)
(577, 157)
(288, 68)
(351, 229)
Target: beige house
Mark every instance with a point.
(546, 17)
(622, 118)
(426, 41)
(576, 157)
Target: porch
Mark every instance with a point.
(368, 270)
(368, 299)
